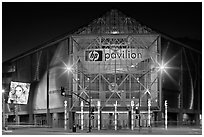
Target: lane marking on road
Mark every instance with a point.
(196, 129)
(8, 131)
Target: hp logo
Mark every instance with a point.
(93, 55)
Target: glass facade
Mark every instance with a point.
(117, 67)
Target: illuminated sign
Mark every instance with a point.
(109, 54)
(123, 54)
(19, 93)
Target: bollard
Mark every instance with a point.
(74, 128)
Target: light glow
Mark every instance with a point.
(162, 67)
(114, 32)
(68, 68)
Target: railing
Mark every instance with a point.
(26, 124)
(174, 124)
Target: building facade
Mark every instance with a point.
(126, 70)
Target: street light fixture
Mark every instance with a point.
(162, 67)
(68, 68)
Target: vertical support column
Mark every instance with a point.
(165, 104)
(159, 59)
(16, 114)
(132, 119)
(130, 80)
(16, 78)
(70, 82)
(101, 94)
(198, 121)
(89, 112)
(115, 115)
(149, 114)
(48, 86)
(180, 117)
(139, 107)
(82, 116)
(99, 104)
(30, 97)
(3, 117)
(65, 115)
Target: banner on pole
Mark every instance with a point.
(19, 93)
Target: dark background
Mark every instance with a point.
(27, 25)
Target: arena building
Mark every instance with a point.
(124, 69)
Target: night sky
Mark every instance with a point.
(27, 25)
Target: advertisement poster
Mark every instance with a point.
(19, 93)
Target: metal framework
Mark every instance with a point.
(115, 74)
(115, 22)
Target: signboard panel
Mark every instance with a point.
(117, 54)
(108, 54)
(19, 92)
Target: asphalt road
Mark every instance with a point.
(143, 131)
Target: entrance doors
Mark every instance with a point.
(108, 120)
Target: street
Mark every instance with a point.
(142, 131)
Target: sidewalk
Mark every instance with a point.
(112, 131)
(154, 130)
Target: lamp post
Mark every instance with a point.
(89, 102)
(161, 67)
(68, 99)
(69, 69)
